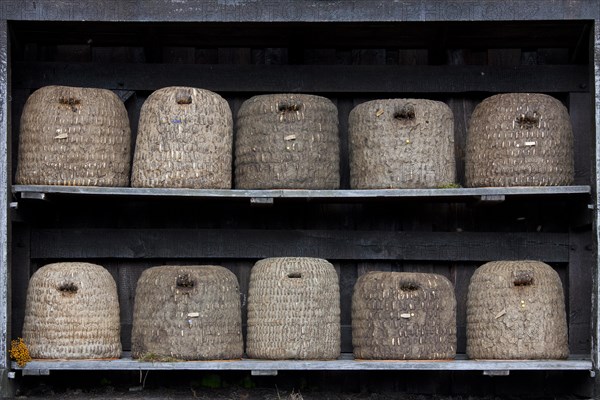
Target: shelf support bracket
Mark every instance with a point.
(491, 198)
(35, 372)
(34, 196)
(496, 372)
(262, 201)
(263, 372)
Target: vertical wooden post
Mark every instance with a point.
(596, 202)
(5, 133)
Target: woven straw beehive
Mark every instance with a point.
(519, 139)
(293, 309)
(187, 312)
(403, 316)
(184, 140)
(287, 141)
(401, 143)
(74, 136)
(516, 310)
(72, 312)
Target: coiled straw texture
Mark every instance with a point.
(401, 143)
(187, 313)
(516, 310)
(287, 141)
(519, 139)
(184, 140)
(403, 316)
(72, 312)
(293, 309)
(75, 137)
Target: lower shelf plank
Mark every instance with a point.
(344, 363)
(39, 192)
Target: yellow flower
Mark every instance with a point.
(19, 352)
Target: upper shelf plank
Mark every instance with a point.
(299, 11)
(453, 193)
(306, 78)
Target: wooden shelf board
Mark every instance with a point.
(345, 362)
(464, 193)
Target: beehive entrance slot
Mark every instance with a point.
(185, 282)
(289, 107)
(523, 278)
(409, 286)
(68, 288)
(294, 275)
(406, 113)
(70, 101)
(183, 98)
(528, 120)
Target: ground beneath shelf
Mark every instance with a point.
(109, 392)
(95, 385)
(44, 391)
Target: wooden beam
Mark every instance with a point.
(328, 244)
(595, 49)
(41, 192)
(345, 362)
(5, 173)
(298, 11)
(307, 78)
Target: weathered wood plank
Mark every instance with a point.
(5, 228)
(308, 194)
(583, 143)
(595, 48)
(344, 106)
(579, 288)
(344, 363)
(328, 244)
(20, 274)
(304, 11)
(307, 78)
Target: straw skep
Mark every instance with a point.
(287, 141)
(72, 312)
(516, 310)
(401, 143)
(403, 316)
(187, 313)
(293, 309)
(184, 140)
(519, 139)
(75, 137)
